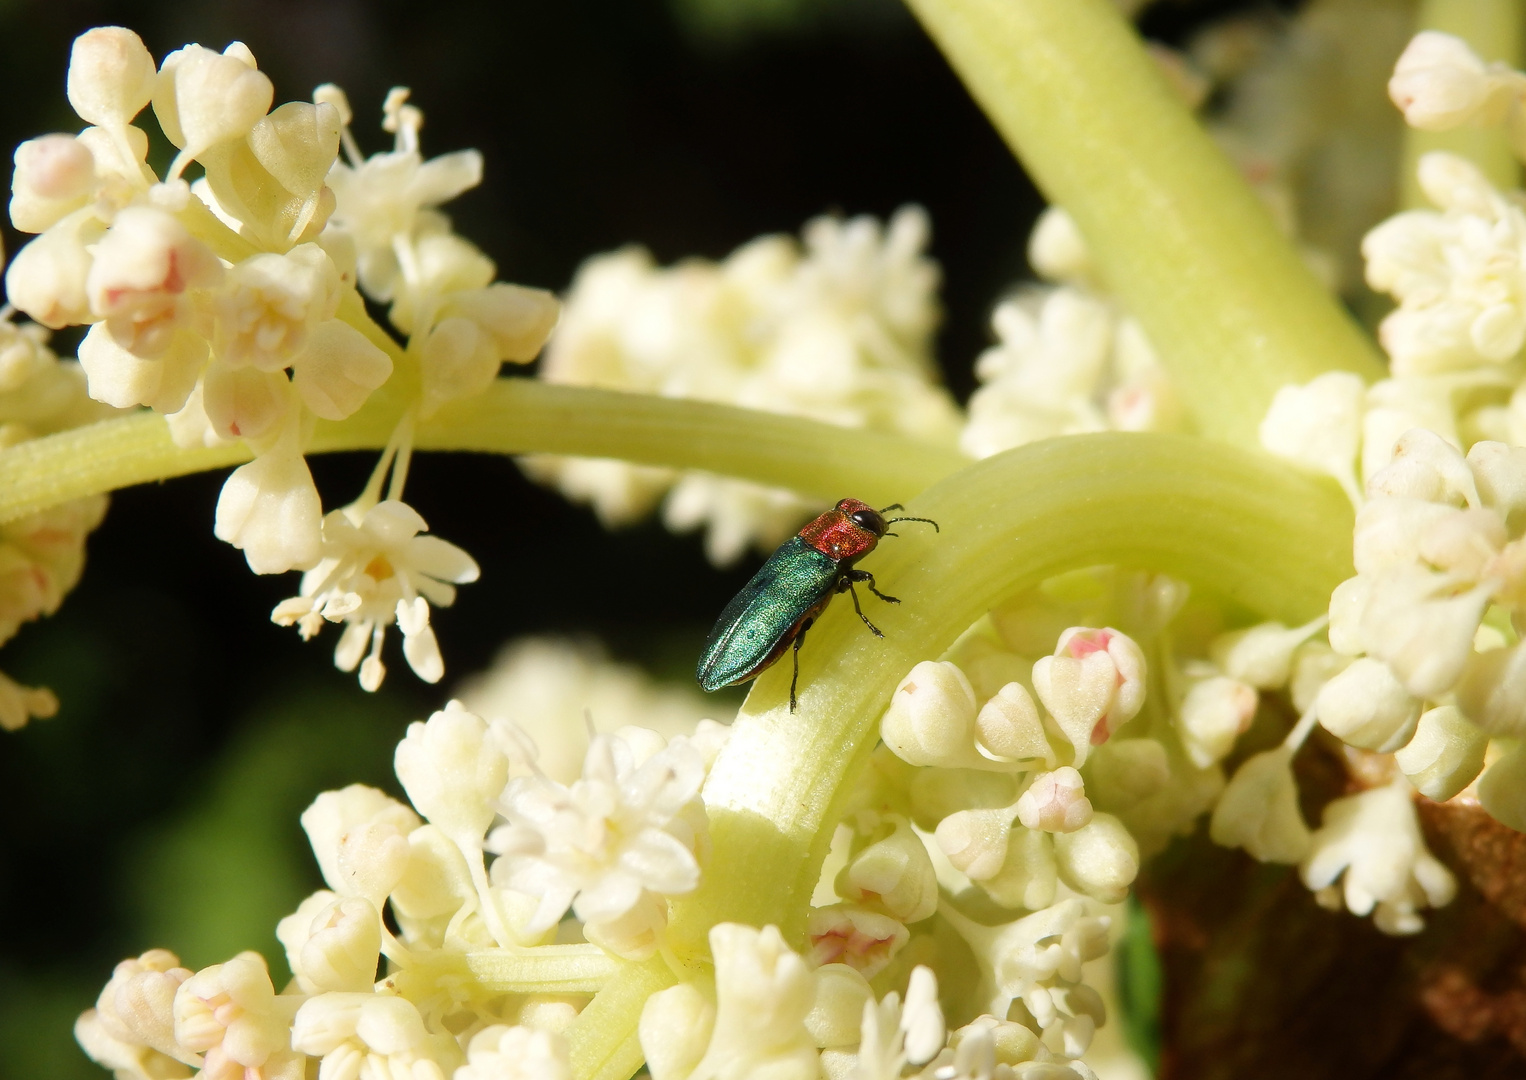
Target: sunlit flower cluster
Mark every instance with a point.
(837, 328)
(230, 306)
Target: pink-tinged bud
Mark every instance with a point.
(1215, 712)
(1092, 685)
(46, 279)
(111, 76)
(143, 267)
(54, 175)
(845, 934)
(1055, 802)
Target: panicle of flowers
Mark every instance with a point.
(41, 555)
(370, 1001)
(837, 327)
(230, 305)
(1066, 361)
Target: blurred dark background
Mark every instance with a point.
(160, 806)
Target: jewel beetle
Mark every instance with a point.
(775, 609)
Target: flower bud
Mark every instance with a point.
(1056, 248)
(1260, 656)
(1055, 802)
(837, 1010)
(894, 872)
(975, 841)
(346, 826)
(1492, 692)
(1259, 810)
(137, 1005)
(675, 1029)
(46, 279)
(337, 370)
(1100, 859)
(1367, 707)
(1028, 876)
(54, 175)
(270, 510)
(203, 98)
(1422, 626)
(931, 719)
(1008, 726)
(500, 1052)
(845, 934)
(454, 771)
(437, 881)
(337, 949)
(141, 271)
(1215, 712)
(937, 793)
(1502, 788)
(111, 76)
(1439, 83)
(229, 1012)
(1445, 755)
(1347, 603)
(1092, 685)
(1427, 468)
(1123, 772)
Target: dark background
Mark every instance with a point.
(160, 806)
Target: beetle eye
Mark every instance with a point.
(869, 521)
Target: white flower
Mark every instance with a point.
(763, 995)
(894, 872)
(371, 1036)
(202, 98)
(136, 1008)
(332, 943)
(1215, 712)
(499, 1052)
(1457, 275)
(894, 1037)
(269, 508)
(1372, 843)
(230, 1014)
(550, 687)
(376, 570)
(359, 836)
(607, 841)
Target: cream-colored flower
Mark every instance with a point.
(376, 570)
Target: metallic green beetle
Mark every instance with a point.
(776, 608)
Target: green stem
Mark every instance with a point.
(1242, 525)
(1179, 237)
(1494, 29)
(514, 416)
(548, 969)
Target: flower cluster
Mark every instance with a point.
(230, 305)
(1067, 361)
(837, 328)
(614, 845)
(41, 554)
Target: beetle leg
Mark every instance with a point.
(865, 576)
(847, 582)
(795, 656)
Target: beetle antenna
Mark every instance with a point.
(928, 521)
(892, 506)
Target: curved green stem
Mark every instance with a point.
(1240, 524)
(1494, 29)
(514, 416)
(1179, 237)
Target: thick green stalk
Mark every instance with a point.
(514, 416)
(547, 969)
(1494, 29)
(1179, 237)
(1264, 537)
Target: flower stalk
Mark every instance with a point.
(1178, 236)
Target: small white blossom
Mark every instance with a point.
(359, 837)
(622, 835)
(1439, 84)
(1259, 810)
(376, 569)
(893, 872)
(332, 943)
(453, 768)
(1371, 842)
(1445, 755)
(1215, 712)
(229, 1013)
(894, 1036)
(371, 1036)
